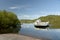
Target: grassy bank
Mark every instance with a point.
(53, 19)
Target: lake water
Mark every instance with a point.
(30, 30)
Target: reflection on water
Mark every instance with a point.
(30, 30)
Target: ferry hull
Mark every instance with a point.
(38, 26)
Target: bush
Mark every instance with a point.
(9, 22)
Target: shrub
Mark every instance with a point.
(9, 22)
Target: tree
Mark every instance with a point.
(9, 22)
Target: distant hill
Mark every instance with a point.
(26, 21)
(53, 19)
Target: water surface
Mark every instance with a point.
(30, 30)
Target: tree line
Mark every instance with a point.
(9, 23)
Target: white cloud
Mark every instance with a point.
(50, 13)
(20, 7)
(28, 16)
(35, 16)
(24, 16)
(13, 7)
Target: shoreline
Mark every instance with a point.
(16, 37)
(36, 37)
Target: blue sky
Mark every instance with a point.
(31, 9)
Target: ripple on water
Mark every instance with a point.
(30, 30)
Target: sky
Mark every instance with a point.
(31, 9)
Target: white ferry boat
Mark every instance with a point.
(39, 24)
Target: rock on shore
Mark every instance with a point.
(16, 37)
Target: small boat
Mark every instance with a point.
(39, 24)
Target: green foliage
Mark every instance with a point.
(9, 22)
(26, 21)
(53, 19)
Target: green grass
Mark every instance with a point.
(53, 19)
